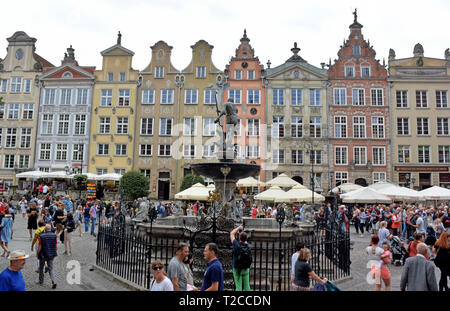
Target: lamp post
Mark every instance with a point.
(281, 216)
(312, 159)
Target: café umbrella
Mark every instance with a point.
(365, 195)
(270, 194)
(347, 187)
(300, 193)
(282, 181)
(197, 192)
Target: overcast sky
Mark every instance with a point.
(318, 27)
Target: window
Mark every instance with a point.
(146, 173)
(4, 86)
(444, 154)
(9, 161)
(16, 84)
(422, 126)
(356, 50)
(102, 149)
(146, 126)
(341, 178)
(66, 96)
(278, 156)
(340, 97)
(421, 99)
(24, 161)
(379, 177)
(340, 127)
(237, 129)
(315, 127)
(11, 138)
(190, 96)
(25, 138)
(209, 127)
(442, 126)
(102, 171)
(148, 97)
(61, 152)
(2, 111)
(189, 151)
(238, 74)
(349, 71)
(189, 128)
(250, 75)
(1, 136)
(145, 150)
(122, 125)
(240, 152)
(159, 72)
(164, 150)
(124, 98)
(377, 127)
(252, 127)
(106, 99)
(424, 154)
(122, 77)
(165, 127)
(314, 97)
(78, 152)
(121, 150)
(252, 152)
(63, 124)
(27, 113)
(404, 154)
(210, 97)
(296, 127)
(167, 96)
(253, 97)
(120, 171)
(82, 96)
(13, 111)
(358, 97)
(365, 71)
(315, 156)
(359, 127)
(201, 72)
(110, 76)
(208, 151)
(278, 127)
(45, 151)
(402, 99)
(297, 156)
(360, 155)
(441, 99)
(104, 125)
(402, 126)
(236, 95)
(27, 86)
(278, 97)
(376, 97)
(296, 97)
(341, 156)
(50, 95)
(47, 124)
(378, 156)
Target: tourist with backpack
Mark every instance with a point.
(242, 259)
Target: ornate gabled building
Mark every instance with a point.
(420, 119)
(247, 89)
(157, 111)
(113, 112)
(64, 116)
(359, 113)
(19, 89)
(297, 122)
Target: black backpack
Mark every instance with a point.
(243, 257)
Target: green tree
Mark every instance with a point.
(189, 180)
(80, 181)
(134, 185)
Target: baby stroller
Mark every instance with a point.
(399, 252)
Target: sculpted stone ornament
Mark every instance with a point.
(418, 50)
(447, 54)
(308, 216)
(391, 54)
(143, 205)
(230, 111)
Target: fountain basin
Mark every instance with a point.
(238, 170)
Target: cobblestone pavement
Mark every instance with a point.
(359, 270)
(83, 251)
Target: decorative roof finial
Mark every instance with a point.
(71, 53)
(245, 33)
(268, 64)
(355, 13)
(295, 49)
(119, 38)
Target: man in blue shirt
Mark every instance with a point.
(11, 278)
(213, 278)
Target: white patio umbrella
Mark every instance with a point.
(90, 176)
(300, 193)
(271, 194)
(365, 195)
(381, 185)
(436, 193)
(31, 174)
(211, 187)
(344, 188)
(283, 181)
(196, 192)
(57, 174)
(110, 176)
(401, 193)
(249, 182)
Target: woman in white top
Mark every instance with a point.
(160, 282)
(374, 253)
(23, 206)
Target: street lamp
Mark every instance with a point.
(312, 159)
(281, 216)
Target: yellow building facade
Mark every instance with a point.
(113, 112)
